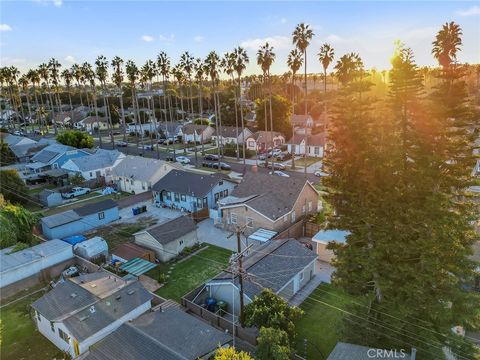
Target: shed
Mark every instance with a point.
(50, 198)
(128, 251)
(91, 248)
(323, 237)
(22, 264)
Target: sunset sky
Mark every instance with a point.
(77, 31)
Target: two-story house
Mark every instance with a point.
(263, 140)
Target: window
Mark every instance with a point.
(52, 326)
(143, 186)
(168, 196)
(317, 150)
(183, 197)
(302, 275)
(101, 215)
(225, 193)
(63, 335)
(303, 209)
(293, 216)
(233, 218)
(249, 222)
(176, 197)
(38, 316)
(285, 218)
(91, 174)
(309, 206)
(199, 203)
(181, 242)
(217, 196)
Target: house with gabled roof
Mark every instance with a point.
(197, 133)
(312, 145)
(54, 156)
(99, 164)
(263, 140)
(267, 201)
(81, 311)
(231, 135)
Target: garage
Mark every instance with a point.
(323, 237)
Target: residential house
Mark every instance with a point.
(291, 263)
(197, 133)
(323, 238)
(261, 141)
(346, 351)
(170, 128)
(79, 220)
(312, 145)
(251, 117)
(65, 118)
(191, 191)
(19, 265)
(231, 135)
(302, 124)
(136, 174)
(170, 238)
(50, 198)
(91, 123)
(99, 164)
(267, 201)
(83, 310)
(54, 156)
(141, 129)
(167, 334)
(22, 147)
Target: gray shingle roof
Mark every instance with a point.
(189, 128)
(96, 161)
(229, 131)
(312, 140)
(283, 258)
(138, 168)
(171, 230)
(276, 195)
(51, 152)
(345, 351)
(96, 207)
(188, 183)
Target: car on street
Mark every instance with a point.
(18, 133)
(320, 173)
(75, 192)
(161, 141)
(211, 157)
(183, 160)
(279, 173)
(216, 165)
(276, 166)
(121, 143)
(283, 156)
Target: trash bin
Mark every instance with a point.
(222, 307)
(144, 208)
(135, 211)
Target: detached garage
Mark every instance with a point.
(323, 237)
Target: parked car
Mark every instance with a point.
(279, 173)
(211, 157)
(18, 133)
(161, 141)
(76, 191)
(121, 143)
(169, 158)
(276, 152)
(183, 160)
(276, 166)
(223, 166)
(283, 156)
(320, 173)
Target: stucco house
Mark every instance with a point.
(229, 135)
(79, 220)
(54, 156)
(323, 238)
(267, 201)
(99, 164)
(83, 310)
(170, 238)
(291, 263)
(263, 140)
(191, 191)
(136, 174)
(312, 145)
(197, 133)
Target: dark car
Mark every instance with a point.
(169, 158)
(221, 165)
(276, 166)
(283, 156)
(211, 157)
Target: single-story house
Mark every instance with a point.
(128, 251)
(302, 124)
(54, 156)
(79, 220)
(50, 198)
(263, 140)
(346, 351)
(65, 118)
(99, 164)
(136, 174)
(314, 145)
(267, 201)
(171, 128)
(323, 237)
(81, 311)
(167, 334)
(21, 264)
(229, 135)
(291, 263)
(191, 191)
(197, 133)
(93, 122)
(141, 128)
(170, 238)
(22, 147)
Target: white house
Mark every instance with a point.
(90, 123)
(136, 174)
(83, 310)
(141, 128)
(311, 145)
(197, 133)
(229, 135)
(99, 164)
(262, 140)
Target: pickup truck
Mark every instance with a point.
(76, 191)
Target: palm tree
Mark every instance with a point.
(228, 63)
(132, 75)
(90, 77)
(199, 73)
(294, 62)
(213, 64)
(35, 80)
(348, 67)
(265, 58)
(447, 43)
(67, 78)
(301, 36)
(147, 73)
(163, 65)
(77, 74)
(102, 74)
(45, 75)
(240, 64)
(187, 63)
(117, 78)
(325, 56)
(54, 67)
(23, 82)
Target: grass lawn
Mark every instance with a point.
(19, 336)
(320, 323)
(310, 161)
(187, 275)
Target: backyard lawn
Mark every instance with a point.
(188, 274)
(309, 161)
(19, 336)
(320, 323)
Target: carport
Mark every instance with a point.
(137, 266)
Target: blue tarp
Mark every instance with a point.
(74, 239)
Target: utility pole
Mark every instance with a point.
(240, 276)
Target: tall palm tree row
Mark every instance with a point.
(213, 63)
(89, 75)
(294, 62)
(23, 82)
(54, 67)
(34, 79)
(228, 65)
(132, 74)
(101, 71)
(325, 56)
(163, 65)
(117, 78)
(45, 75)
(67, 78)
(240, 64)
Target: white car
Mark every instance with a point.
(183, 160)
(76, 191)
(320, 173)
(279, 173)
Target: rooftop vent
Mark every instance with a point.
(131, 292)
(92, 309)
(118, 297)
(73, 295)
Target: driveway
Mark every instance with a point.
(161, 214)
(208, 233)
(324, 271)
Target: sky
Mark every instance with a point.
(33, 31)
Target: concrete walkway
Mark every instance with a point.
(306, 291)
